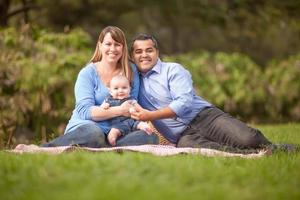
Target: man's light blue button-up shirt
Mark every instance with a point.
(170, 85)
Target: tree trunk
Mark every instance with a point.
(4, 7)
(26, 18)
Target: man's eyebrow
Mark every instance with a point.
(141, 49)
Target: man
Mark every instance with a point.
(170, 102)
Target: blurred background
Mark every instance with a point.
(244, 56)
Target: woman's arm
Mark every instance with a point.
(85, 99)
(98, 113)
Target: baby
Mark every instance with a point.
(119, 89)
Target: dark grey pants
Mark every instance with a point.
(212, 128)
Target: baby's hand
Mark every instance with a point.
(113, 136)
(132, 110)
(145, 127)
(104, 105)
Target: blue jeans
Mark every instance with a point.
(90, 135)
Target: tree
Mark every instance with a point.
(10, 8)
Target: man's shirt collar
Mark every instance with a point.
(157, 68)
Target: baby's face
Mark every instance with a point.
(119, 88)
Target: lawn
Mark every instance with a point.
(83, 175)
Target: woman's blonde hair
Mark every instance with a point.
(118, 35)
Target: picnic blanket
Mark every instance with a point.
(158, 150)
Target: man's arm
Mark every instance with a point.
(142, 114)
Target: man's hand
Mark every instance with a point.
(140, 114)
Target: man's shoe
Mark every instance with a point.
(289, 148)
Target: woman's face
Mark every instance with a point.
(110, 49)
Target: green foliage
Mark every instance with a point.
(38, 69)
(236, 84)
(141, 176)
(283, 88)
(37, 73)
(263, 30)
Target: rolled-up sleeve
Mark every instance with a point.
(181, 89)
(84, 94)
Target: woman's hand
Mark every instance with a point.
(125, 108)
(104, 105)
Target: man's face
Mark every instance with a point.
(144, 55)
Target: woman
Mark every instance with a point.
(89, 121)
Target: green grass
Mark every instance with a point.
(83, 175)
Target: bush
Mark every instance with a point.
(283, 89)
(38, 70)
(233, 82)
(37, 75)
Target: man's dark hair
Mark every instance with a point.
(143, 36)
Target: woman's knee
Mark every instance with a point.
(149, 139)
(97, 138)
(137, 138)
(93, 136)
(153, 139)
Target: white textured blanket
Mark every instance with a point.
(158, 150)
